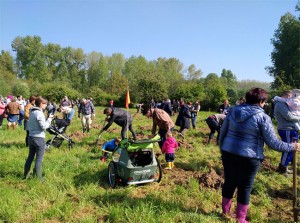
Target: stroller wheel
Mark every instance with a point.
(71, 144)
(48, 144)
(112, 174)
(158, 172)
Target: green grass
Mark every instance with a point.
(77, 190)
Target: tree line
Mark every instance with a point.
(54, 71)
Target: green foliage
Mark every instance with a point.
(21, 88)
(100, 97)
(151, 87)
(215, 92)
(108, 77)
(56, 91)
(285, 56)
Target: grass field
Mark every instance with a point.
(76, 187)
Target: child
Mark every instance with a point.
(168, 148)
(293, 104)
(109, 146)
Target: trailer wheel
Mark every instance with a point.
(112, 174)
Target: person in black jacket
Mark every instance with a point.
(167, 107)
(183, 119)
(121, 118)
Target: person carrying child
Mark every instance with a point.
(293, 103)
(168, 149)
(109, 146)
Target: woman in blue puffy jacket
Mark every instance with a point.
(243, 134)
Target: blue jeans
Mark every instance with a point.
(194, 118)
(170, 157)
(287, 136)
(239, 174)
(36, 148)
(21, 117)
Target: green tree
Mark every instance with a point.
(286, 53)
(21, 88)
(7, 73)
(215, 91)
(31, 59)
(134, 70)
(171, 70)
(193, 74)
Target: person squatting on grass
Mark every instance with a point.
(109, 146)
(214, 123)
(121, 118)
(37, 125)
(87, 110)
(168, 149)
(242, 138)
(161, 119)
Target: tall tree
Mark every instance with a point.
(215, 91)
(193, 74)
(7, 74)
(286, 53)
(31, 60)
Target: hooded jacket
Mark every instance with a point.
(37, 123)
(245, 130)
(286, 120)
(169, 145)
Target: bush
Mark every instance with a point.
(21, 88)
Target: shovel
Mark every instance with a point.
(99, 135)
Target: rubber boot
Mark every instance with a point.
(169, 166)
(226, 204)
(241, 212)
(172, 165)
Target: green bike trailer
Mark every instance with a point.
(134, 162)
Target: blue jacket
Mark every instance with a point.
(245, 130)
(110, 145)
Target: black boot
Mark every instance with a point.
(283, 169)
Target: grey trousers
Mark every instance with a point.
(36, 149)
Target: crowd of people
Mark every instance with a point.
(242, 130)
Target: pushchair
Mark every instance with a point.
(134, 162)
(58, 128)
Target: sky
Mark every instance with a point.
(211, 34)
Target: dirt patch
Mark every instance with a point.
(113, 130)
(77, 136)
(211, 179)
(183, 144)
(267, 165)
(144, 128)
(182, 177)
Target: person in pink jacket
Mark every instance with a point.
(2, 110)
(168, 149)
